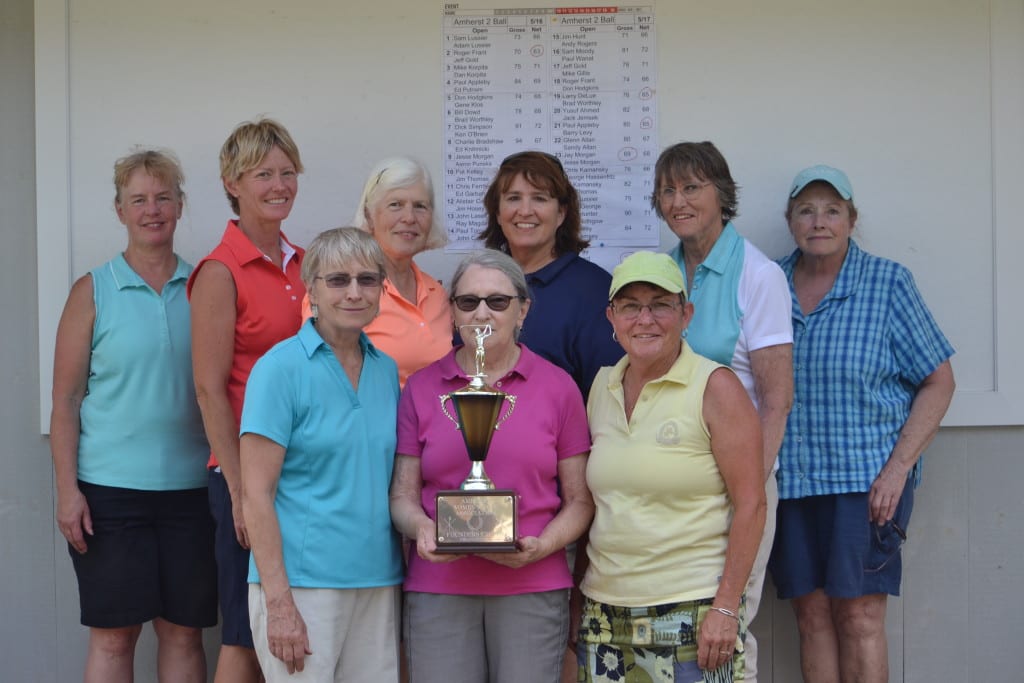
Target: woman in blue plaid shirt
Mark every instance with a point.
(872, 383)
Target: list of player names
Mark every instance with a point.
(576, 82)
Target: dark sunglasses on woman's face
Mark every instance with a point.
(495, 302)
(343, 280)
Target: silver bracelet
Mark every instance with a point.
(726, 612)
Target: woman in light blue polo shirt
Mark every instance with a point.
(740, 310)
(129, 452)
(317, 451)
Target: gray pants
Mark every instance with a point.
(486, 639)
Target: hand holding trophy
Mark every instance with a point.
(477, 518)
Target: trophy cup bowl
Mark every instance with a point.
(477, 518)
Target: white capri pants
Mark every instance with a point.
(353, 634)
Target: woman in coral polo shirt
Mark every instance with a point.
(414, 325)
(246, 296)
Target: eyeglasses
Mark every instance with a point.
(689, 190)
(495, 302)
(897, 529)
(885, 543)
(343, 280)
(630, 310)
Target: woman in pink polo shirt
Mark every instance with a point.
(498, 616)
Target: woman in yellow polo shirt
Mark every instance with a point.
(677, 478)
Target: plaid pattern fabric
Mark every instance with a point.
(857, 360)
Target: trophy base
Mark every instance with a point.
(477, 521)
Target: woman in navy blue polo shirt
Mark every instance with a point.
(533, 214)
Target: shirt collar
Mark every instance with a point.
(551, 270)
(679, 373)
(524, 367)
(246, 252)
(720, 254)
(848, 280)
(424, 286)
(287, 252)
(125, 275)
(311, 341)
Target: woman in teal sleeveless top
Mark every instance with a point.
(127, 440)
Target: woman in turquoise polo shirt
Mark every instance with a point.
(127, 440)
(740, 309)
(317, 451)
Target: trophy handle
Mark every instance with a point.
(444, 409)
(508, 413)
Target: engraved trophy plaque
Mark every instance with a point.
(477, 518)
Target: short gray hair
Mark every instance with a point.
(393, 173)
(494, 260)
(337, 246)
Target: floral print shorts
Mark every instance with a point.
(649, 645)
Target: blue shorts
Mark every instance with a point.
(150, 555)
(232, 568)
(828, 542)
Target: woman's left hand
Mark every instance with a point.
(716, 640)
(885, 493)
(528, 549)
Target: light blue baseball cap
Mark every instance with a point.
(832, 176)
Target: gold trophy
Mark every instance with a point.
(477, 518)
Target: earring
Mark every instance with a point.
(615, 337)
(315, 310)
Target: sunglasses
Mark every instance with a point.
(343, 280)
(495, 302)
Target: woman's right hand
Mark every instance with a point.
(426, 545)
(286, 632)
(74, 520)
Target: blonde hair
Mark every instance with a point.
(162, 164)
(247, 146)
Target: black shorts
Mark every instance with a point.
(150, 555)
